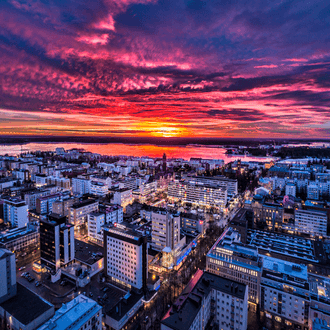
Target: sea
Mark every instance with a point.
(135, 150)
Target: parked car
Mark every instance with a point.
(38, 283)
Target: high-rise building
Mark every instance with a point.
(165, 229)
(8, 287)
(209, 299)
(15, 212)
(125, 256)
(56, 242)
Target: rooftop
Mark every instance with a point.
(31, 306)
(88, 253)
(77, 312)
(183, 312)
(84, 203)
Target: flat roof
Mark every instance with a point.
(76, 312)
(26, 306)
(88, 253)
(84, 203)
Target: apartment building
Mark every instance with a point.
(122, 197)
(125, 256)
(15, 212)
(81, 186)
(99, 188)
(113, 212)
(79, 211)
(32, 196)
(96, 221)
(209, 299)
(44, 205)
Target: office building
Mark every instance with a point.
(231, 259)
(209, 300)
(57, 246)
(15, 212)
(312, 222)
(125, 256)
(19, 239)
(165, 229)
(81, 313)
(79, 211)
(8, 286)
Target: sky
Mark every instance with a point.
(167, 68)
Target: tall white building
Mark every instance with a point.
(80, 313)
(8, 287)
(209, 297)
(81, 186)
(123, 197)
(126, 256)
(165, 229)
(311, 222)
(313, 191)
(290, 189)
(99, 188)
(96, 221)
(79, 211)
(15, 212)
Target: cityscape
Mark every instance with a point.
(164, 165)
(94, 241)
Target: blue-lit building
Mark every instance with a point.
(231, 259)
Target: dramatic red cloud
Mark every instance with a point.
(164, 68)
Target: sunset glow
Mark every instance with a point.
(186, 68)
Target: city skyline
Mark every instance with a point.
(165, 68)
